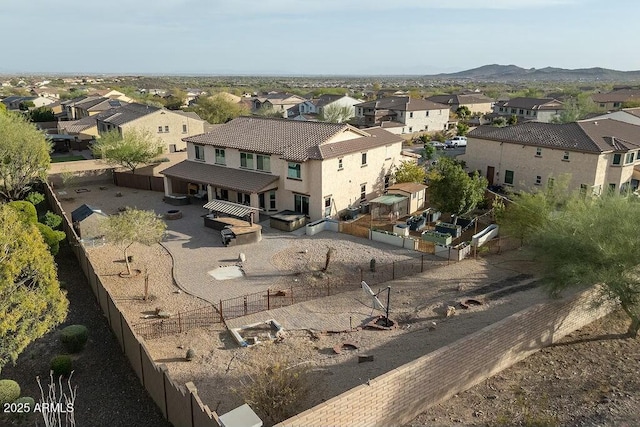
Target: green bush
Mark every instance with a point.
(25, 210)
(28, 403)
(52, 220)
(61, 365)
(35, 198)
(74, 338)
(9, 391)
(51, 237)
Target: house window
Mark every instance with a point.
(272, 200)
(602, 105)
(363, 192)
(513, 111)
(426, 127)
(301, 203)
(508, 177)
(538, 180)
(583, 189)
(166, 128)
(501, 109)
(539, 152)
(184, 128)
(550, 182)
(172, 148)
(617, 158)
(629, 158)
(410, 129)
(159, 129)
(612, 188)
(617, 105)
(199, 152)
(327, 206)
(520, 111)
(340, 164)
(244, 198)
(263, 163)
(565, 156)
(293, 171)
(364, 159)
(411, 115)
(387, 181)
(224, 194)
(246, 160)
(427, 115)
(387, 152)
(220, 157)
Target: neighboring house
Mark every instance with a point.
(112, 94)
(15, 102)
(627, 115)
(475, 102)
(45, 92)
(280, 102)
(318, 169)
(170, 126)
(616, 99)
(414, 191)
(87, 221)
(600, 155)
(538, 109)
(402, 114)
(93, 105)
(313, 109)
(85, 128)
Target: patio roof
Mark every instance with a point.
(220, 176)
(388, 199)
(230, 208)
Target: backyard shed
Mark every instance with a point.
(87, 222)
(389, 206)
(415, 191)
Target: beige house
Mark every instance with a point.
(538, 109)
(170, 126)
(279, 102)
(599, 155)
(616, 99)
(475, 102)
(318, 169)
(402, 115)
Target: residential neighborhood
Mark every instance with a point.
(268, 214)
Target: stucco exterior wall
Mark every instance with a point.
(163, 118)
(589, 169)
(435, 121)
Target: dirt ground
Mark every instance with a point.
(504, 284)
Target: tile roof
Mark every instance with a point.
(77, 126)
(377, 138)
(620, 95)
(126, 113)
(293, 140)
(532, 103)
(220, 176)
(89, 102)
(633, 111)
(403, 103)
(461, 98)
(409, 187)
(585, 136)
(189, 114)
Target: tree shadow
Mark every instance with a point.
(605, 337)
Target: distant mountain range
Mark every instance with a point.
(504, 73)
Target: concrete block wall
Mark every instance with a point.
(400, 395)
(179, 404)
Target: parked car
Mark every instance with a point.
(456, 141)
(437, 145)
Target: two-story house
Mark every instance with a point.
(599, 155)
(314, 108)
(525, 109)
(318, 169)
(170, 126)
(93, 105)
(628, 115)
(278, 102)
(475, 102)
(402, 114)
(617, 98)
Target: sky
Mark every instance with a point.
(314, 37)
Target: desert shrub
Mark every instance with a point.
(191, 354)
(25, 210)
(61, 365)
(35, 198)
(74, 337)
(276, 386)
(51, 237)
(9, 391)
(52, 220)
